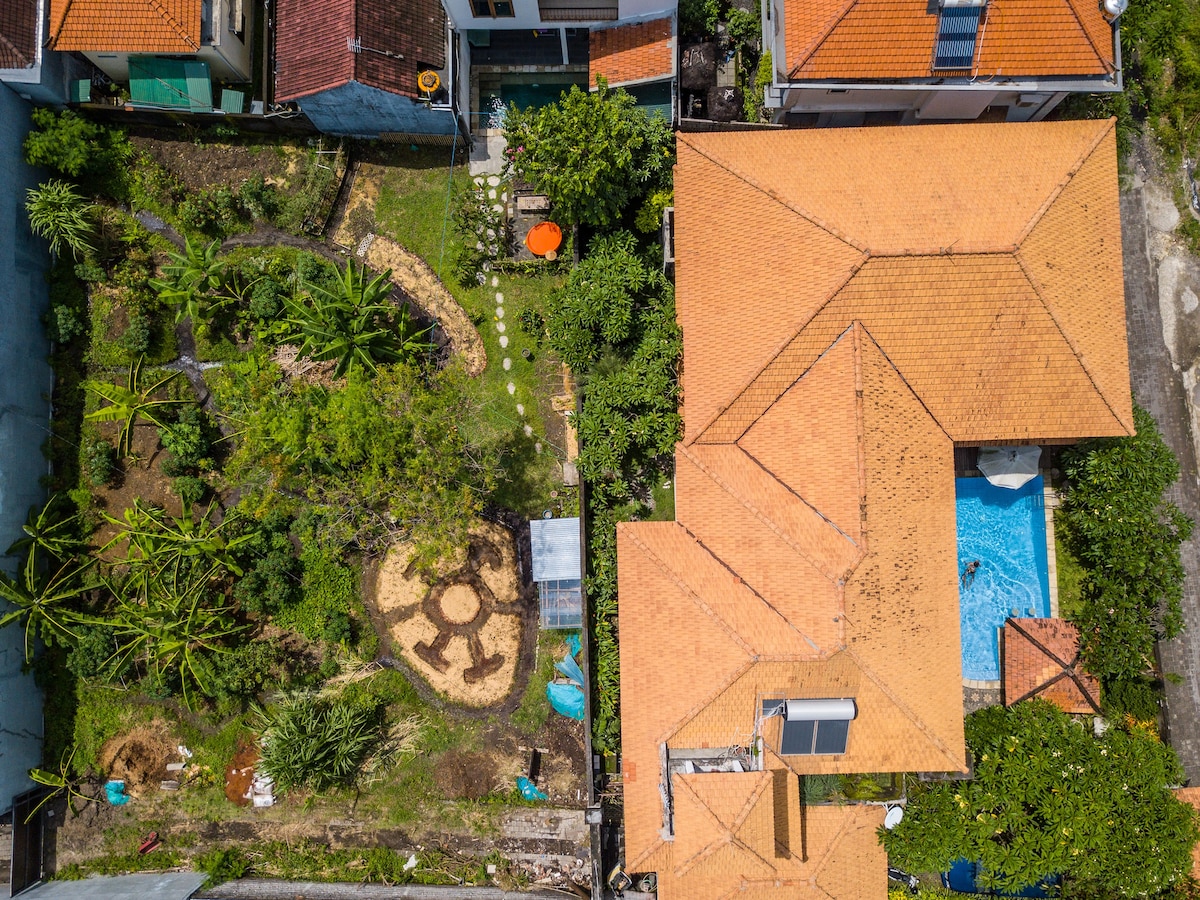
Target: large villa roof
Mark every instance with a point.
(876, 296)
(885, 40)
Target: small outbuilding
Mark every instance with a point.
(1041, 659)
(558, 571)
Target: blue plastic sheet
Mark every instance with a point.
(566, 699)
(115, 792)
(529, 790)
(573, 644)
(571, 669)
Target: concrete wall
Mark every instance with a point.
(24, 415)
(355, 110)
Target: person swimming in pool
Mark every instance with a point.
(968, 574)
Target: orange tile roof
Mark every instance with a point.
(1041, 659)
(1191, 796)
(626, 54)
(125, 26)
(865, 320)
(893, 39)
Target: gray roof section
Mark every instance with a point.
(162, 886)
(272, 889)
(555, 545)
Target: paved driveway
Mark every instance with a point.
(1162, 283)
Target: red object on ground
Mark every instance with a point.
(543, 238)
(150, 844)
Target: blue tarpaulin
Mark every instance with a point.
(566, 699)
(571, 670)
(529, 790)
(115, 792)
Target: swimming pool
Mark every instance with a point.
(1005, 530)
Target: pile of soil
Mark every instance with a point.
(140, 758)
(239, 774)
(466, 776)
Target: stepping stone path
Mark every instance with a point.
(498, 324)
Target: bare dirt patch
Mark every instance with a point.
(202, 165)
(460, 629)
(141, 478)
(466, 776)
(239, 774)
(139, 758)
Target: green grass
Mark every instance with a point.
(412, 210)
(1070, 577)
(664, 501)
(103, 713)
(531, 715)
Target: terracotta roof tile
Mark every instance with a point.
(1041, 658)
(312, 53)
(894, 39)
(18, 33)
(814, 549)
(1191, 796)
(626, 54)
(125, 26)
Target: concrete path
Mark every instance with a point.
(1162, 282)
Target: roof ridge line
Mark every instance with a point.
(1088, 35)
(819, 864)
(896, 369)
(860, 442)
(158, 6)
(52, 39)
(4, 38)
(720, 413)
(748, 806)
(1068, 339)
(802, 213)
(683, 586)
(1011, 621)
(759, 514)
(808, 52)
(757, 652)
(1058, 189)
(904, 708)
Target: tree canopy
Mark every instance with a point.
(1119, 525)
(592, 153)
(1049, 798)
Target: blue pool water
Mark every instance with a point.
(1006, 531)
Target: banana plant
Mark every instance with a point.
(130, 403)
(58, 782)
(157, 539)
(42, 601)
(50, 528)
(192, 280)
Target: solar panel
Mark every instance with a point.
(831, 736)
(806, 738)
(958, 27)
(797, 738)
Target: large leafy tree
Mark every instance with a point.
(1049, 798)
(592, 153)
(1118, 523)
(354, 323)
(381, 458)
(136, 400)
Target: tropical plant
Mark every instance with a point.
(61, 215)
(133, 402)
(593, 152)
(156, 540)
(1047, 797)
(192, 279)
(71, 145)
(51, 527)
(353, 324)
(318, 742)
(172, 626)
(43, 600)
(1118, 524)
(59, 782)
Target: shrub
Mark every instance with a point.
(247, 671)
(327, 592)
(271, 582)
(698, 18)
(100, 462)
(61, 215)
(63, 324)
(266, 300)
(221, 865)
(593, 153)
(745, 26)
(1137, 697)
(1127, 536)
(315, 742)
(91, 651)
(649, 217)
(135, 340)
(189, 488)
(70, 144)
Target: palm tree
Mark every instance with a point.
(191, 280)
(354, 324)
(51, 529)
(41, 600)
(61, 215)
(130, 403)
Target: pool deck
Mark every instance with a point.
(976, 693)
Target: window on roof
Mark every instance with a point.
(957, 30)
(812, 727)
(493, 9)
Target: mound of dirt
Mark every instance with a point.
(239, 774)
(139, 758)
(466, 776)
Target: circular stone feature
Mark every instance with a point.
(460, 604)
(504, 340)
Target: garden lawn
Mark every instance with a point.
(413, 210)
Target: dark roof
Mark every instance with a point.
(312, 41)
(18, 33)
